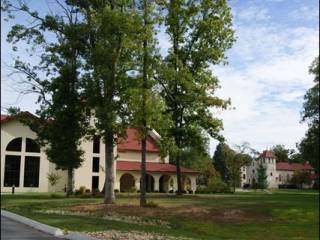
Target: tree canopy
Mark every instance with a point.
(309, 146)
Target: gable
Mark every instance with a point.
(132, 143)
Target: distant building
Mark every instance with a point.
(277, 172)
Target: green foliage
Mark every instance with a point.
(262, 177)
(12, 111)
(53, 178)
(229, 162)
(199, 33)
(151, 204)
(300, 177)
(220, 161)
(309, 146)
(281, 153)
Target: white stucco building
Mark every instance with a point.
(25, 165)
(277, 172)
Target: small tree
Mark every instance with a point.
(53, 178)
(300, 177)
(262, 177)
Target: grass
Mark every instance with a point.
(284, 214)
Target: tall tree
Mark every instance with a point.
(281, 153)
(144, 103)
(200, 32)
(111, 43)
(57, 75)
(262, 177)
(309, 146)
(220, 161)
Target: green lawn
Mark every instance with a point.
(284, 214)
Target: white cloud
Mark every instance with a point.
(252, 13)
(305, 13)
(266, 85)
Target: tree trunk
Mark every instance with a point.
(179, 192)
(70, 182)
(143, 200)
(109, 196)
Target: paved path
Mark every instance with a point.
(13, 230)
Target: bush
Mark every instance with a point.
(215, 185)
(95, 192)
(151, 204)
(87, 190)
(116, 190)
(82, 189)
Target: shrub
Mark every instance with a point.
(116, 190)
(82, 189)
(215, 185)
(87, 190)
(131, 190)
(95, 192)
(151, 204)
(53, 178)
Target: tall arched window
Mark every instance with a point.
(13, 163)
(14, 145)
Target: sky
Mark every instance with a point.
(266, 76)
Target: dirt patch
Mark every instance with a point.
(199, 213)
(132, 235)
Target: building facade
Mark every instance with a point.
(25, 165)
(278, 173)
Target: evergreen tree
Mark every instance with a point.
(262, 177)
(220, 161)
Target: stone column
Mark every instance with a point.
(175, 183)
(137, 182)
(193, 183)
(156, 178)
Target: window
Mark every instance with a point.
(96, 144)
(95, 164)
(32, 146)
(253, 171)
(95, 183)
(12, 171)
(15, 145)
(279, 178)
(271, 174)
(244, 176)
(31, 171)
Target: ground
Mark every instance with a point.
(282, 214)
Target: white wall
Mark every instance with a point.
(135, 156)
(15, 129)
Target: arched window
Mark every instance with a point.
(32, 146)
(13, 163)
(15, 145)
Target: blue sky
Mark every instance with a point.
(266, 77)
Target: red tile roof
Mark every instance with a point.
(151, 167)
(284, 166)
(7, 118)
(4, 118)
(267, 154)
(132, 143)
